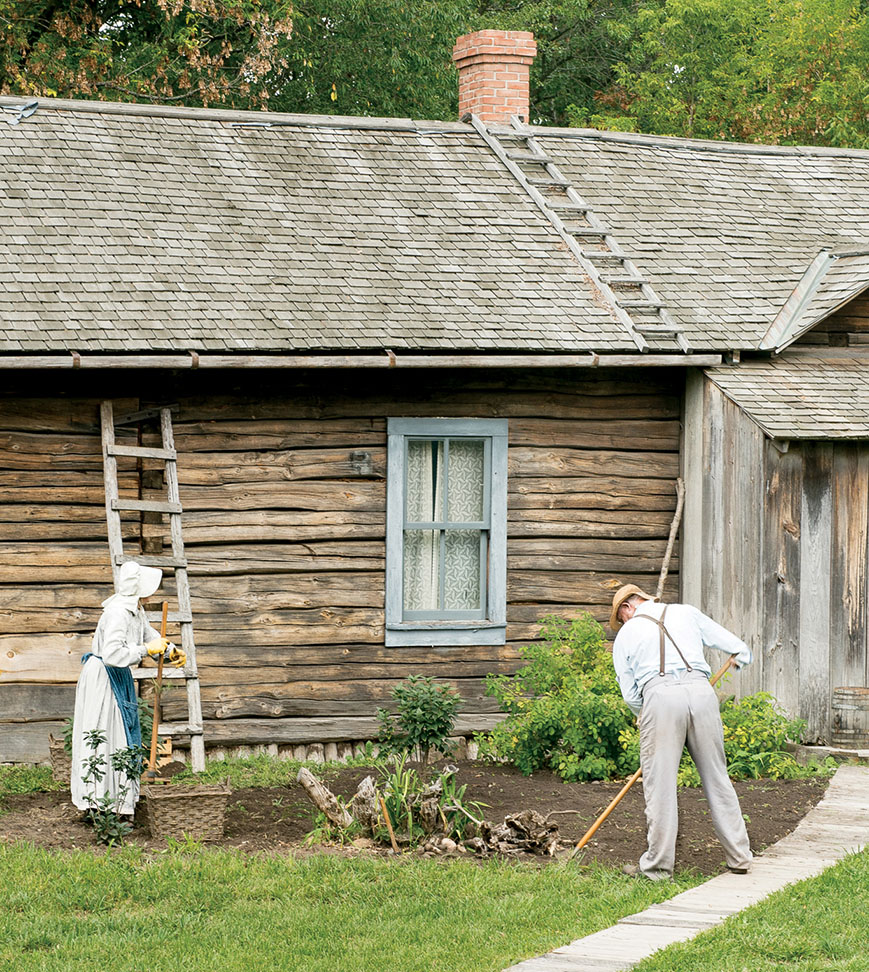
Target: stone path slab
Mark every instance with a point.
(837, 826)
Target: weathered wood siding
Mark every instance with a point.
(784, 554)
(283, 486)
(848, 327)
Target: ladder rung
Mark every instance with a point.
(173, 617)
(142, 452)
(528, 157)
(147, 506)
(623, 281)
(658, 328)
(603, 255)
(178, 729)
(133, 418)
(153, 560)
(567, 206)
(587, 232)
(640, 304)
(548, 181)
(176, 674)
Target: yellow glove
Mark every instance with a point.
(157, 646)
(176, 657)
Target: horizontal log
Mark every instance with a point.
(424, 402)
(568, 587)
(247, 701)
(35, 703)
(284, 559)
(24, 479)
(606, 524)
(357, 656)
(27, 742)
(639, 435)
(363, 496)
(353, 589)
(248, 732)
(526, 461)
(208, 469)
(62, 529)
(339, 681)
(47, 658)
(278, 434)
(281, 526)
(256, 706)
(56, 414)
(581, 494)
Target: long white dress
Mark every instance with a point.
(119, 640)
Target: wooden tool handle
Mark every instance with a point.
(158, 687)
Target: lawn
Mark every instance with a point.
(190, 909)
(818, 925)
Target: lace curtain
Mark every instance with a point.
(426, 587)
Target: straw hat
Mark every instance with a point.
(619, 598)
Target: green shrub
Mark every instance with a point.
(425, 720)
(565, 710)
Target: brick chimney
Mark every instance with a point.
(493, 73)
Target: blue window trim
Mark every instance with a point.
(490, 630)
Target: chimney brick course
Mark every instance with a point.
(493, 73)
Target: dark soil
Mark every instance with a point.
(277, 819)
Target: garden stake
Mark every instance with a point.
(392, 839)
(592, 830)
(151, 773)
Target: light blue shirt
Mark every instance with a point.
(636, 651)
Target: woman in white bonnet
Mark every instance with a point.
(105, 695)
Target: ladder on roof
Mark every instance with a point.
(628, 292)
(176, 563)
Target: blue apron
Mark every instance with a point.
(124, 691)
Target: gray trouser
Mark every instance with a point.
(679, 712)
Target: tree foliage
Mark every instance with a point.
(781, 71)
(198, 52)
(778, 71)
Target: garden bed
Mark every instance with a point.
(278, 818)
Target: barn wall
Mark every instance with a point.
(847, 327)
(283, 488)
(783, 561)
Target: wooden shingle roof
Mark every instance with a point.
(802, 395)
(139, 228)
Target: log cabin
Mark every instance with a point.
(424, 384)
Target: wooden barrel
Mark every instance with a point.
(851, 717)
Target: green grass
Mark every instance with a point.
(818, 925)
(26, 779)
(195, 910)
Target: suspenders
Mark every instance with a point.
(662, 631)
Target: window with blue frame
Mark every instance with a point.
(446, 532)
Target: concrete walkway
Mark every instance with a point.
(838, 825)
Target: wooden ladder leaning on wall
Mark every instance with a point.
(176, 563)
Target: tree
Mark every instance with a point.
(196, 52)
(779, 71)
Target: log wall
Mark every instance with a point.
(783, 555)
(847, 327)
(283, 488)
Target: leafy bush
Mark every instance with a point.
(425, 720)
(756, 733)
(565, 709)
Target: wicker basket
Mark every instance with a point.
(194, 811)
(61, 761)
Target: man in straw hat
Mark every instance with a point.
(664, 678)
